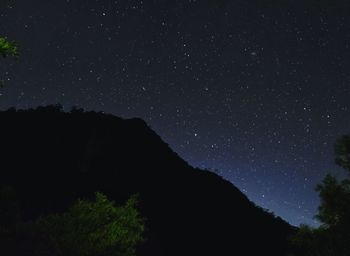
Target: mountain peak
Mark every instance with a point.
(52, 157)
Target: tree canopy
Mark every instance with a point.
(333, 236)
(88, 228)
(94, 228)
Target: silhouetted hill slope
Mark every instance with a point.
(51, 158)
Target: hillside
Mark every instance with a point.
(52, 158)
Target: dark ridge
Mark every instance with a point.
(51, 158)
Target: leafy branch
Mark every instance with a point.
(8, 48)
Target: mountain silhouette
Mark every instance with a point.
(51, 158)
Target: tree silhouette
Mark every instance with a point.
(333, 236)
(342, 150)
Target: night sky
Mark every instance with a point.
(257, 91)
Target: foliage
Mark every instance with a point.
(95, 228)
(333, 236)
(342, 150)
(8, 48)
(335, 201)
(98, 228)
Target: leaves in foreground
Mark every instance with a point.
(8, 48)
(333, 236)
(88, 228)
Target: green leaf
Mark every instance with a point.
(8, 48)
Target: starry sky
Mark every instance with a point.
(256, 91)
